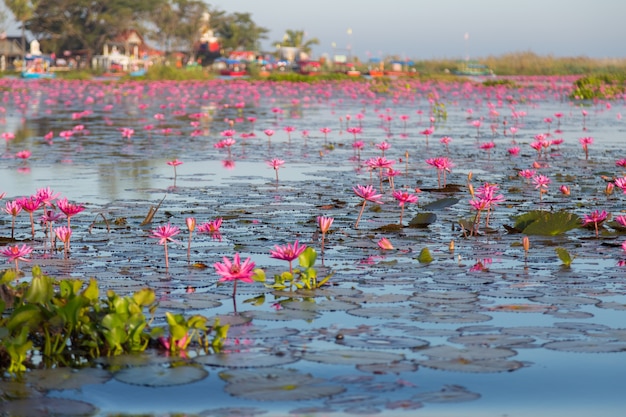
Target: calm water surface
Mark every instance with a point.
(122, 177)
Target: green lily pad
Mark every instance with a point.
(247, 359)
(352, 357)
(546, 223)
(278, 386)
(161, 376)
(46, 407)
(66, 378)
(423, 220)
(440, 204)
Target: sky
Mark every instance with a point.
(442, 29)
(437, 29)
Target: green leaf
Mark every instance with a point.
(440, 204)
(564, 256)
(40, 290)
(144, 297)
(547, 223)
(9, 276)
(259, 275)
(91, 293)
(423, 220)
(425, 256)
(307, 258)
(256, 301)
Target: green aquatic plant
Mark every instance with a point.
(66, 323)
(303, 277)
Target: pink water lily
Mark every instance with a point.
(16, 253)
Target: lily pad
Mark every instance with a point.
(440, 204)
(161, 376)
(383, 342)
(47, 407)
(546, 223)
(247, 359)
(352, 357)
(473, 366)
(270, 386)
(423, 220)
(448, 394)
(66, 378)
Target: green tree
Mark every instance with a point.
(191, 15)
(22, 11)
(237, 31)
(296, 39)
(85, 24)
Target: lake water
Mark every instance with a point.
(482, 330)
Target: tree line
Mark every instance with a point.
(173, 25)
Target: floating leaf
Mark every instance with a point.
(45, 407)
(425, 256)
(248, 359)
(66, 378)
(448, 394)
(546, 223)
(161, 376)
(278, 386)
(352, 357)
(423, 220)
(440, 204)
(587, 346)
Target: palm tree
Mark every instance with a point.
(295, 38)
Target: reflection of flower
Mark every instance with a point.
(228, 164)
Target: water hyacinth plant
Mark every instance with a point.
(69, 323)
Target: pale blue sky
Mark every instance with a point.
(421, 29)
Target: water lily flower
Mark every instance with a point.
(276, 164)
(585, 142)
(324, 224)
(596, 217)
(235, 271)
(165, 234)
(64, 233)
(367, 193)
(287, 252)
(541, 182)
(385, 244)
(16, 253)
(404, 198)
(69, 209)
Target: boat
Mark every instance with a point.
(138, 72)
(472, 68)
(309, 67)
(37, 67)
(232, 67)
